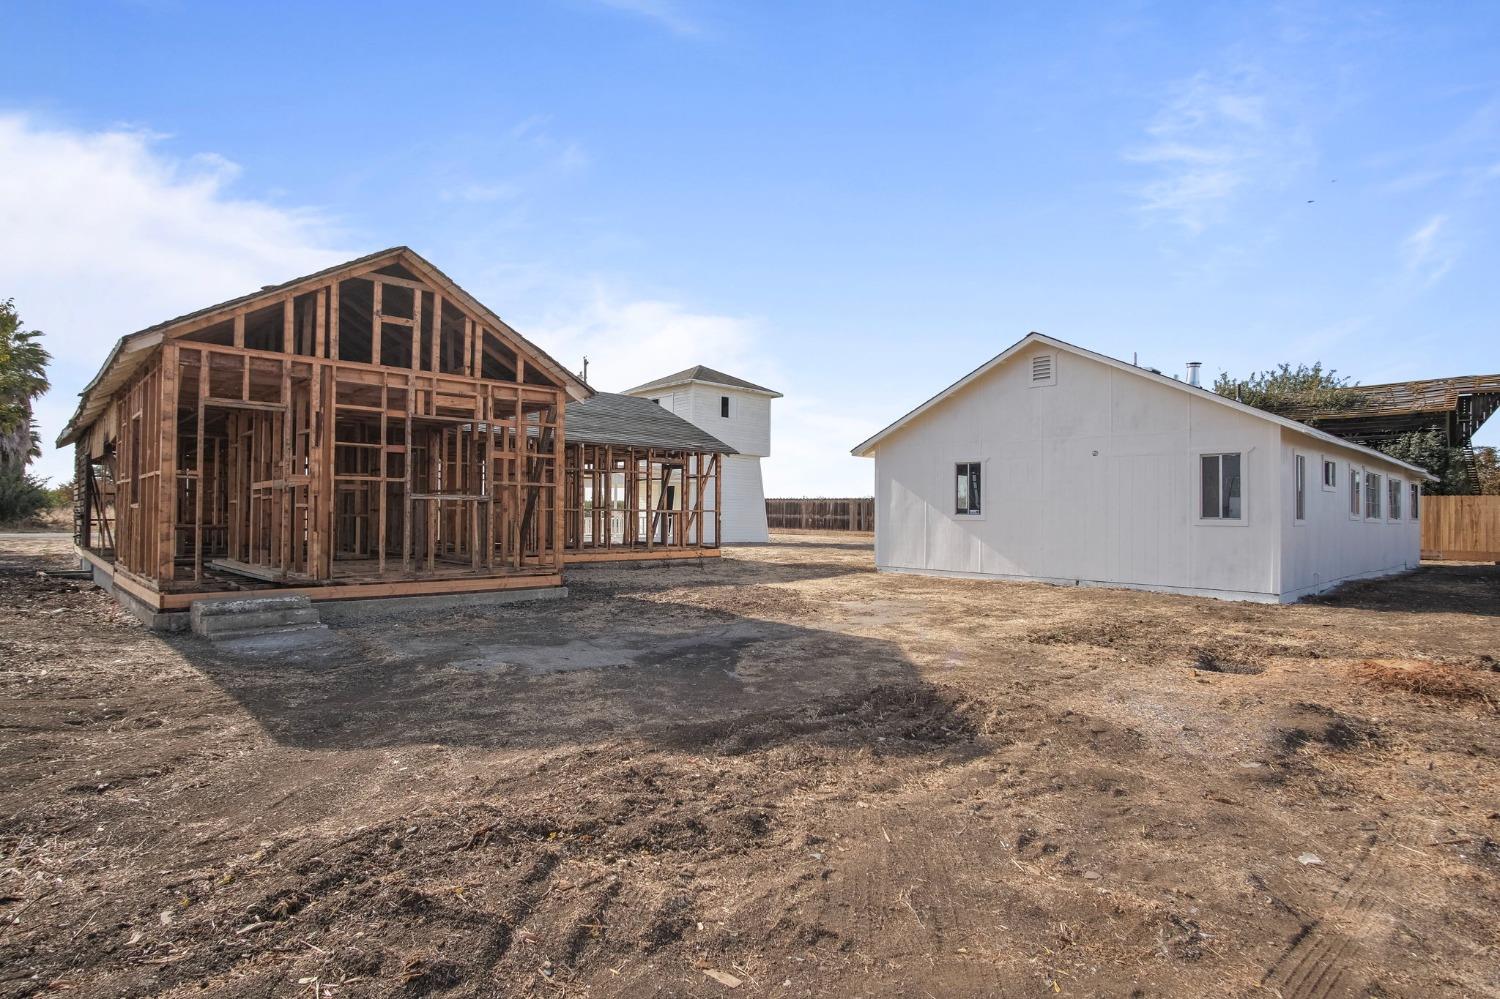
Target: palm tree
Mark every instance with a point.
(23, 377)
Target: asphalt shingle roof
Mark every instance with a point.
(703, 373)
(610, 418)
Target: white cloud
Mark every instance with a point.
(506, 166)
(1211, 141)
(480, 193)
(664, 12)
(1428, 253)
(629, 342)
(810, 442)
(106, 233)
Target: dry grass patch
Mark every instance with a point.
(1418, 676)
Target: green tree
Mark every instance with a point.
(1488, 462)
(1290, 391)
(23, 377)
(60, 497)
(1429, 449)
(1284, 389)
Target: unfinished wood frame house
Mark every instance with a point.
(369, 430)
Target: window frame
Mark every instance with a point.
(1415, 512)
(972, 468)
(1374, 501)
(1356, 492)
(1299, 488)
(1393, 489)
(724, 410)
(1327, 463)
(1243, 519)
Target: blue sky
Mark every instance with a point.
(853, 203)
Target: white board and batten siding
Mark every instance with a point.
(1091, 476)
(747, 429)
(1333, 541)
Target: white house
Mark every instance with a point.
(1054, 463)
(738, 413)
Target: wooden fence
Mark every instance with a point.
(1464, 528)
(819, 514)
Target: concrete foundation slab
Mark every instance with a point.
(343, 612)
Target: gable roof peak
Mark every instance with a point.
(867, 448)
(706, 375)
(131, 350)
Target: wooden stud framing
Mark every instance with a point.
(234, 467)
(639, 502)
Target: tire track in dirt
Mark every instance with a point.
(1317, 964)
(899, 887)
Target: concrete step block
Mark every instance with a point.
(256, 619)
(249, 604)
(239, 616)
(253, 633)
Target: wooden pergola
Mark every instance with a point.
(641, 482)
(367, 430)
(1457, 407)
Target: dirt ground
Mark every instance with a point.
(778, 775)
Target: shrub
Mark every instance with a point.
(60, 497)
(21, 495)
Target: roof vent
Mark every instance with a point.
(1193, 377)
(1041, 369)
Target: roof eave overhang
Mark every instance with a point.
(768, 393)
(662, 386)
(867, 448)
(127, 357)
(604, 440)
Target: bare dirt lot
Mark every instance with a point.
(777, 775)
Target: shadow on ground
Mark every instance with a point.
(710, 572)
(594, 667)
(1433, 588)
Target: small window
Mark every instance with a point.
(966, 476)
(1354, 508)
(1395, 504)
(1330, 474)
(1416, 498)
(724, 406)
(1299, 488)
(1043, 369)
(1372, 496)
(1219, 486)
